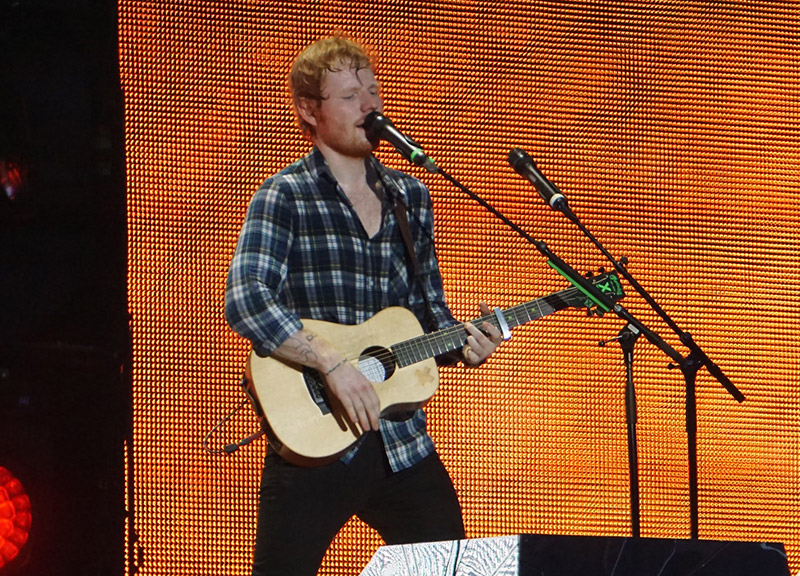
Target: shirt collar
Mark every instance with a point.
(319, 171)
(317, 166)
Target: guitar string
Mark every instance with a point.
(445, 340)
(387, 355)
(407, 347)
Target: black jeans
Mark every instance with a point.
(302, 509)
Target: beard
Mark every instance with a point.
(353, 147)
(347, 139)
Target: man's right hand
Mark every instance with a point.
(350, 387)
(356, 395)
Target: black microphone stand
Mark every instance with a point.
(627, 336)
(689, 365)
(627, 339)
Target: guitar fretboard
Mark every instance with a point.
(437, 343)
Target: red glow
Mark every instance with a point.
(13, 176)
(15, 517)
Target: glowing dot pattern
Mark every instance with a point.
(674, 130)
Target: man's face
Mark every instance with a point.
(349, 95)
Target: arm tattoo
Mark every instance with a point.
(302, 350)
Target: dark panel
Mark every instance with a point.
(543, 555)
(63, 423)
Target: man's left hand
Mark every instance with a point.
(481, 343)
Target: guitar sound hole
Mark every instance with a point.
(376, 364)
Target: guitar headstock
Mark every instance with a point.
(608, 283)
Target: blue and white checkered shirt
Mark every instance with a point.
(303, 253)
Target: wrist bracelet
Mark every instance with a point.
(336, 366)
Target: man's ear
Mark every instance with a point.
(307, 110)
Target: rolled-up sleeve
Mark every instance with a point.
(254, 308)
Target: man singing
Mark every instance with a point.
(321, 240)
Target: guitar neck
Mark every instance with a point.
(437, 343)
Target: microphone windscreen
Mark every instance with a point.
(519, 159)
(374, 123)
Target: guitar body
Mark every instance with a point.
(305, 425)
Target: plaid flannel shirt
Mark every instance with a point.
(303, 253)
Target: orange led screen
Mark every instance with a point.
(674, 130)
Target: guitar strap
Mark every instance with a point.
(387, 189)
(400, 212)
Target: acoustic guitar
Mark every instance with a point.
(306, 427)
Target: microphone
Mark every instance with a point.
(379, 126)
(526, 167)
